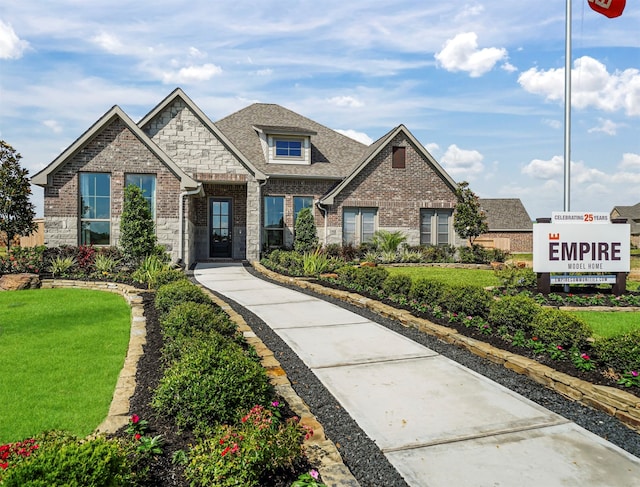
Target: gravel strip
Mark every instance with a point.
(359, 452)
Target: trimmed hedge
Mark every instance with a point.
(178, 292)
(514, 312)
(557, 327)
(467, 300)
(427, 291)
(397, 284)
(621, 352)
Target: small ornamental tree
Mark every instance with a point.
(16, 211)
(469, 220)
(306, 236)
(137, 230)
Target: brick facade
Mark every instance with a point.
(117, 151)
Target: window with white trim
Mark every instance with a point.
(435, 226)
(95, 208)
(288, 148)
(358, 225)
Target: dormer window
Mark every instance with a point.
(285, 145)
(288, 148)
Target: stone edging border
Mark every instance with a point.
(321, 452)
(620, 404)
(118, 415)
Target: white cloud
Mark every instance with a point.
(192, 74)
(592, 86)
(509, 68)
(264, 72)
(355, 135)
(462, 54)
(11, 46)
(345, 101)
(541, 169)
(554, 124)
(432, 148)
(458, 161)
(630, 161)
(54, 125)
(196, 53)
(108, 42)
(607, 126)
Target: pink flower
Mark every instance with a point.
(585, 356)
(314, 474)
(135, 418)
(275, 404)
(634, 373)
(559, 347)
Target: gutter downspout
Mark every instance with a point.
(260, 186)
(323, 210)
(193, 192)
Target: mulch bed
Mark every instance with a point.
(163, 472)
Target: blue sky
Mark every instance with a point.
(479, 83)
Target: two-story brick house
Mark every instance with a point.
(233, 188)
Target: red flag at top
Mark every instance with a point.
(609, 8)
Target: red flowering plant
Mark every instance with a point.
(13, 453)
(137, 427)
(241, 454)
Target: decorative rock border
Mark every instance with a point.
(321, 452)
(118, 415)
(615, 402)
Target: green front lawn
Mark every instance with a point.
(449, 275)
(607, 324)
(61, 351)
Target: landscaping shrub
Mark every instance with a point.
(23, 259)
(317, 262)
(466, 300)
(387, 241)
(292, 262)
(370, 278)
(346, 273)
(211, 383)
(190, 318)
(306, 234)
(427, 291)
(476, 254)
(438, 253)
(514, 277)
(178, 292)
(62, 459)
(556, 327)
(167, 276)
(514, 313)
(621, 352)
(240, 455)
(149, 268)
(397, 285)
(137, 229)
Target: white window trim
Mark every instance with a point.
(434, 226)
(304, 159)
(358, 230)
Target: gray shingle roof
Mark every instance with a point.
(631, 213)
(506, 214)
(332, 154)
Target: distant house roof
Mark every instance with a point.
(506, 215)
(632, 215)
(333, 155)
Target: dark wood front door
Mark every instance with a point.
(220, 227)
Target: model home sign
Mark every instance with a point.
(587, 245)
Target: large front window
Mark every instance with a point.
(95, 209)
(299, 203)
(147, 183)
(358, 225)
(435, 226)
(274, 221)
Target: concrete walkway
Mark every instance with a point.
(438, 423)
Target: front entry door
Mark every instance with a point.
(220, 227)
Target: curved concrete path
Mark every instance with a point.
(439, 423)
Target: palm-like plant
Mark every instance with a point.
(387, 241)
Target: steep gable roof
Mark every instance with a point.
(506, 214)
(631, 214)
(42, 178)
(374, 149)
(206, 121)
(333, 155)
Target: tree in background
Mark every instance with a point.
(16, 210)
(137, 230)
(469, 220)
(306, 235)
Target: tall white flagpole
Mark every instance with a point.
(567, 109)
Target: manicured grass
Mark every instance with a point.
(449, 275)
(61, 351)
(607, 324)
